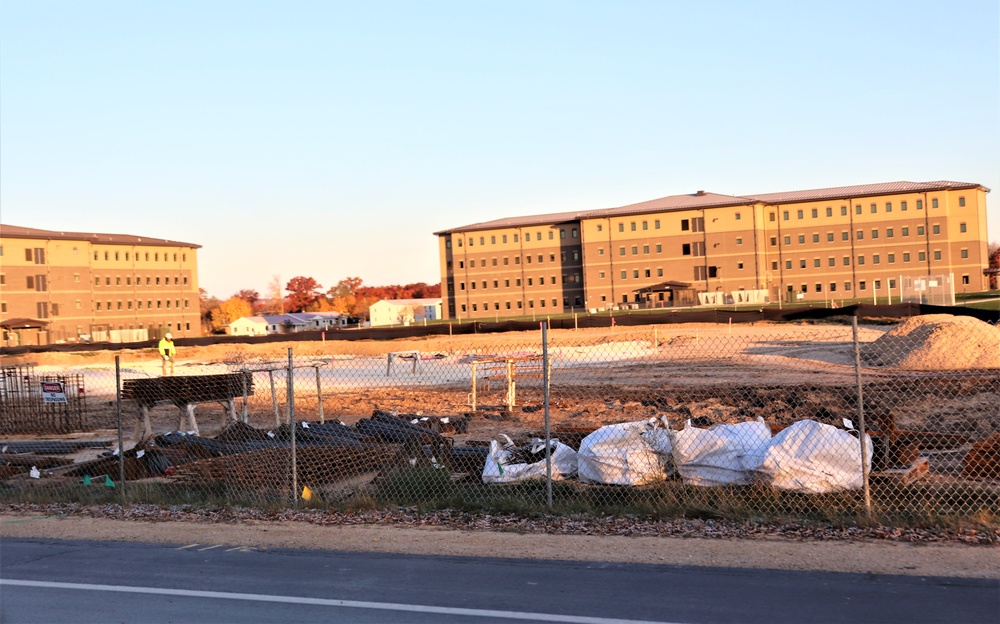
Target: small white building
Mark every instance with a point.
(404, 311)
(249, 326)
(285, 323)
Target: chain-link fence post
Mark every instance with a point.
(291, 424)
(118, 413)
(545, 401)
(862, 430)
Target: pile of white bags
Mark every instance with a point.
(499, 469)
(722, 454)
(812, 457)
(620, 455)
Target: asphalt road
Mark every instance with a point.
(53, 581)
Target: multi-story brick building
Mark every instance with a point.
(821, 244)
(70, 286)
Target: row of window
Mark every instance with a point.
(517, 260)
(160, 304)
(873, 209)
(574, 233)
(138, 280)
(567, 278)
(876, 259)
(129, 256)
(542, 303)
(860, 234)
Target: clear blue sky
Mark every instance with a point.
(331, 139)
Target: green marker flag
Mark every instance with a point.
(86, 479)
(108, 482)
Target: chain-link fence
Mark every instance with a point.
(896, 423)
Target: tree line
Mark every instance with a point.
(304, 294)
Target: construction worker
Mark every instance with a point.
(167, 352)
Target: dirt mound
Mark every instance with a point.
(937, 342)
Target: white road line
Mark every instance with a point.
(188, 546)
(353, 604)
(210, 547)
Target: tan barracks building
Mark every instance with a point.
(74, 286)
(818, 245)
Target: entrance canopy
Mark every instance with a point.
(23, 323)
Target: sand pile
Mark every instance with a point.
(937, 342)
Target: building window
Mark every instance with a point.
(802, 264)
(815, 213)
(906, 256)
(798, 214)
(770, 216)
(659, 272)
(845, 235)
(861, 260)
(860, 235)
(562, 234)
(892, 258)
(961, 202)
(601, 275)
(576, 234)
(632, 226)
(847, 261)
(902, 206)
(829, 211)
(962, 228)
(802, 239)
(857, 209)
(829, 237)
(888, 206)
(965, 253)
(937, 229)
(635, 250)
(888, 232)
(874, 233)
(635, 273)
(862, 285)
(482, 240)
(874, 209)
(645, 249)
(937, 255)
(621, 227)
(656, 224)
(621, 251)
(788, 264)
(875, 258)
(659, 248)
(906, 231)
(784, 215)
(624, 274)
(774, 266)
(788, 240)
(739, 266)
(774, 241)
(920, 230)
(815, 238)
(685, 225)
(922, 256)
(739, 240)
(831, 261)
(816, 262)
(934, 202)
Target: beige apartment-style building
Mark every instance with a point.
(80, 286)
(814, 245)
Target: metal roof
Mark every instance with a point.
(703, 199)
(16, 231)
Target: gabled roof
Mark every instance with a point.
(703, 199)
(863, 190)
(16, 231)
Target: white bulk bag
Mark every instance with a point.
(498, 468)
(619, 455)
(722, 454)
(813, 457)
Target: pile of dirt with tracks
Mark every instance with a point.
(937, 342)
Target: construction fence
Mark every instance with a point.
(898, 424)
